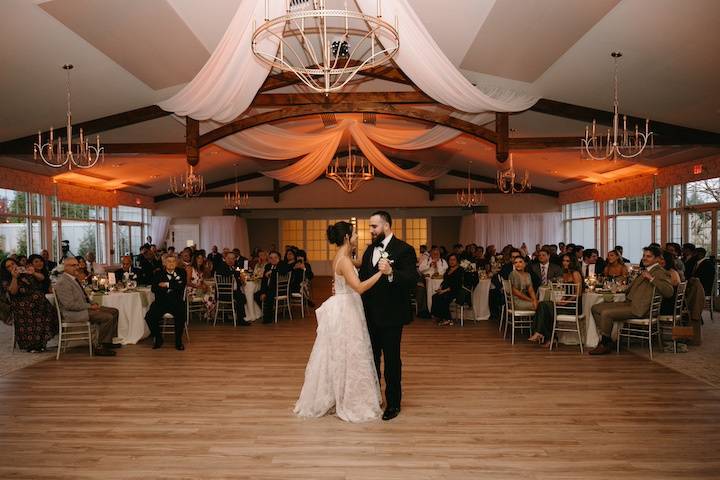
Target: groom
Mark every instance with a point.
(387, 303)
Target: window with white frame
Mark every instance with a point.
(21, 223)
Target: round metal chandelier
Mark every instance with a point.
(325, 48)
(510, 181)
(351, 170)
(469, 198)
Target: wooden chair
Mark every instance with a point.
(516, 319)
(297, 298)
(224, 301)
(643, 328)
(282, 294)
(667, 322)
(71, 331)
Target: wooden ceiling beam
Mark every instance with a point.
(664, 133)
(294, 99)
(382, 72)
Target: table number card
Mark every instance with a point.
(111, 278)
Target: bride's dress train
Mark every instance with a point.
(341, 373)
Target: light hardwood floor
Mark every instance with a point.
(474, 407)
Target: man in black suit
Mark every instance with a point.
(215, 257)
(543, 271)
(265, 297)
(168, 285)
(127, 267)
(149, 265)
(591, 264)
(228, 269)
(704, 270)
(387, 303)
(689, 258)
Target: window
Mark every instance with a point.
(82, 226)
(579, 221)
(634, 223)
(702, 192)
(131, 228)
(292, 233)
(416, 232)
(21, 230)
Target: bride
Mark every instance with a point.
(341, 374)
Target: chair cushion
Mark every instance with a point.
(568, 318)
(522, 313)
(639, 321)
(665, 318)
(168, 315)
(296, 295)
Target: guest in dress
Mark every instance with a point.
(259, 268)
(524, 297)
(545, 313)
(228, 269)
(301, 275)
(197, 287)
(82, 270)
(667, 261)
(615, 268)
(448, 291)
(41, 272)
(35, 320)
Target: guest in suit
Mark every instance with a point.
(543, 271)
(48, 263)
(704, 270)
(615, 267)
(638, 299)
(133, 273)
(228, 269)
(149, 265)
(75, 305)
(265, 297)
(689, 258)
(93, 267)
(168, 285)
(448, 291)
(214, 256)
(619, 250)
(240, 259)
(592, 264)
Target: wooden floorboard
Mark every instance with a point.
(474, 407)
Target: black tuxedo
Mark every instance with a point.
(704, 271)
(148, 269)
(216, 258)
(120, 274)
(553, 271)
(268, 287)
(168, 300)
(387, 309)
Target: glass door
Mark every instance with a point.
(129, 238)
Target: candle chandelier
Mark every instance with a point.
(619, 143)
(469, 198)
(236, 200)
(188, 185)
(350, 170)
(510, 181)
(325, 48)
(54, 154)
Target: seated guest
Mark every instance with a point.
(542, 271)
(133, 273)
(228, 269)
(34, 319)
(82, 271)
(48, 263)
(265, 297)
(545, 313)
(638, 299)
(92, 267)
(168, 285)
(301, 272)
(75, 305)
(443, 252)
(214, 256)
(497, 299)
(239, 259)
(469, 253)
(424, 253)
(592, 264)
(209, 270)
(619, 250)
(579, 250)
(667, 261)
(490, 254)
(523, 293)
(615, 267)
(704, 270)
(448, 291)
(676, 250)
(40, 272)
(554, 257)
(185, 258)
(259, 267)
(689, 259)
(479, 259)
(433, 265)
(196, 286)
(149, 264)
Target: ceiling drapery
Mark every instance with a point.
(225, 87)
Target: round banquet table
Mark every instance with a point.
(132, 307)
(252, 309)
(588, 300)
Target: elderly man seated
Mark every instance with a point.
(127, 267)
(227, 269)
(168, 285)
(75, 305)
(638, 299)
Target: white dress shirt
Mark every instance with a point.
(426, 267)
(380, 248)
(588, 269)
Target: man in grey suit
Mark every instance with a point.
(75, 305)
(543, 272)
(638, 299)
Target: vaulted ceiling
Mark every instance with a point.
(133, 53)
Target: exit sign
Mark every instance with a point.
(697, 169)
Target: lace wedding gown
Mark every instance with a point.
(341, 373)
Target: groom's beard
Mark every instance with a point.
(378, 240)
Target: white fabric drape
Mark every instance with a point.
(501, 229)
(228, 82)
(420, 58)
(225, 231)
(159, 226)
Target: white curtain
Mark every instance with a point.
(225, 231)
(501, 229)
(227, 84)
(420, 58)
(159, 226)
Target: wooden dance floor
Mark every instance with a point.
(474, 407)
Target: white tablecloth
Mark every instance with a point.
(588, 300)
(252, 309)
(431, 284)
(132, 307)
(481, 300)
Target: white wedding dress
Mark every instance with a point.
(341, 374)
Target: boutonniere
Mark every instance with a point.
(385, 255)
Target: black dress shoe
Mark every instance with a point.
(180, 347)
(390, 413)
(112, 345)
(157, 344)
(244, 323)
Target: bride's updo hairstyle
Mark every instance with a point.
(336, 233)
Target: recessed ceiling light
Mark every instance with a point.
(154, 176)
